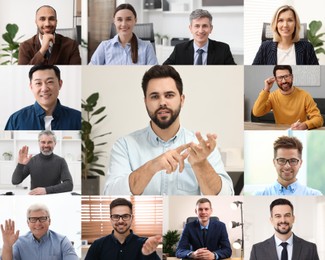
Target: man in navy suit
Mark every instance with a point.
(203, 238)
(284, 244)
(201, 50)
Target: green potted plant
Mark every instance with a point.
(91, 169)
(170, 240)
(7, 156)
(314, 38)
(11, 47)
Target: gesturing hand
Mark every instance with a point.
(171, 159)
(200, 152)
(23, 157)
(9, 235)
(150, 245)
(268, 83)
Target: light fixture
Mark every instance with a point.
(239, 243)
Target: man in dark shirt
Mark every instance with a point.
(47, 113)
(48, 47)
(49, 172)
(123, 244)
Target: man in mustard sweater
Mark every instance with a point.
(290, 105)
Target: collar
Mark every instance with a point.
(46, 156)
(155, 139)
(292, 187)
(116, 42)
(40, 111)
(204, 227)
(127, 239)
(43, 238)
(278, 241)
(40, 40)
(204, 47)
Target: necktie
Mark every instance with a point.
(204, 231)
(199, 58)
(284, 253)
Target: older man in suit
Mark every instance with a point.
(204, 239)
(284, 245)
(201, 50)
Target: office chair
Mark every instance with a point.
(267, 118)
(144, 31)
(267, 33)
(72, 33)
(321, 106)
(191, 219)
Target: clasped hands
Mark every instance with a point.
(203, 254)
(196, 154)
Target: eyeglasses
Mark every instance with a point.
(280, 78)
(124, 217)
(40, 219)
(283, 161)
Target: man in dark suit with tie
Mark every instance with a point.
(284, 245)
(201, 50)
(203, 238)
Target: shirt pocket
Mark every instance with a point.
(187, 182)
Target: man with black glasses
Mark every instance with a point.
(290, 105)
(123, 244)
(287, 162)
(40, 242)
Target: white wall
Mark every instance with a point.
(309, 222)
(64, 209)
(178, 208)
(213, 101)
(14, 81)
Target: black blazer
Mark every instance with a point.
(218, 54)
(302, 250)
(267, 53)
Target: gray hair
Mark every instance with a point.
(38, 207)
(48, 133)
(200, 13)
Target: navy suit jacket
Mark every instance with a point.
(267, 53)
(192, 239)
(218, 54)
(302, 250)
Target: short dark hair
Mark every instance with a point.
(280, 201)
(287, 142)
(45, 67)
(120, 202)
(203, 200)
(162, 71)
(125, 6)
(47, 6)
(281, 67)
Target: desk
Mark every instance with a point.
(267, 126)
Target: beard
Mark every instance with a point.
(283, 232)
(41, 31)
(288, 87)
(164, 123)
(47, 152)
(120, 231)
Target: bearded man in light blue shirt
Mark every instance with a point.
(165, 158)
(39, 243)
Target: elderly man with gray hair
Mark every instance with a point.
(49, 173)
(201, 50)
(39, 243)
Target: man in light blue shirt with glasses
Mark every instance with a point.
(39, 243)
(165, 158)
(287, 162)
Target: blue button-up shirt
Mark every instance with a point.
(296, 189)
(111, 52)
(204, 54)
(32, 118)
(51, 246)
(132, 151)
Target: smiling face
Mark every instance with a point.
(46, 144)
(287, 173)
(121, 227)
(286, 24)
(284, 81)
(124, 21)
(163, 102)
(38, 228)
(282, 219)
(46, 20)
(203, 212)
(201, 29)
(45, 86)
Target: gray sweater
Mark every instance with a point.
(48, 171)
